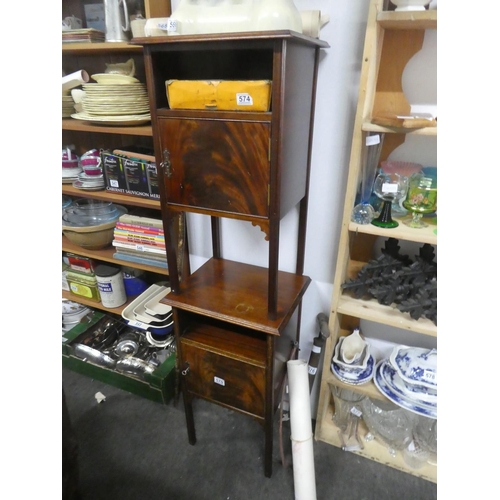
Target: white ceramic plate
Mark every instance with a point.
(113, 120)
(116, 79)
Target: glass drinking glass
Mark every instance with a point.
(421, 198)
(344, 400)
(363, 212)
(390, 188)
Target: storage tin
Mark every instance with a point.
(83, 284)
(111, 286)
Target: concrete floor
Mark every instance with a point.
(132, 448)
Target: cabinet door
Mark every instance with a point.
(217, 165)
(226, 380)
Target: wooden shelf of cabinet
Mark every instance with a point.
(81, 126)
(106, 255)
(92, 303)
(416, 20)
(402, 232)
(372, 127)
(121, 199)
(387, 315)
(373, 450)
(99, 47)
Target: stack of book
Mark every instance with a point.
(140, 240)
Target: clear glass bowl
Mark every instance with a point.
(72, 216)
(388, 423)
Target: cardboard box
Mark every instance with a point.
(223, 95)
(130, 175)
(114, 174)
(157, 386)
(135, 177)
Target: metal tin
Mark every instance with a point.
(83, 284)
(111, 286)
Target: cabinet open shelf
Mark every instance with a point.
(388, 315)
(373, 450)
(416, 20)
(402, 232)
(373, 127)
(92, 303)
(81, 126)
(121, 199)
(99, 47)
(106, 255)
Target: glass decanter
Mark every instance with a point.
(390, 188)
(421, 199)
(363, 212)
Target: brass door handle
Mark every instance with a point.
(165, 164)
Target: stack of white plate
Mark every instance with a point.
(115, 99)
(68, 106)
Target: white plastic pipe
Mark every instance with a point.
(304, 479)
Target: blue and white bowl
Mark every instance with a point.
(351, 378)
(416, 366)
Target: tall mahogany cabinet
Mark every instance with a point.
(230, 317)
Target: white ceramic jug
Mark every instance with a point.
(116, 20)
(352, 347)
(278, 15)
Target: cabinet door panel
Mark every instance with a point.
(217, 165)
(225, 380)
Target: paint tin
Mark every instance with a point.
(111, 286)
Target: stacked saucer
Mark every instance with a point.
(357, 372)
(68, 106)
(408, 378)
(90, 182)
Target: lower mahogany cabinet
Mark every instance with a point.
(229, 351)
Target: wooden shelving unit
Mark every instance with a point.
(93, 57)
(392, 38)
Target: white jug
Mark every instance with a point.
(278, 15)
(116, 20)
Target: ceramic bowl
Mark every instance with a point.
(415, 365)
(91, 237)
(407, 5)
(354, 368)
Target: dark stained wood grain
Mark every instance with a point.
(217, 165)
(237, 293)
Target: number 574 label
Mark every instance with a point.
(244, 99)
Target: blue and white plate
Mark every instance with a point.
(351, 378)
(384, 380)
